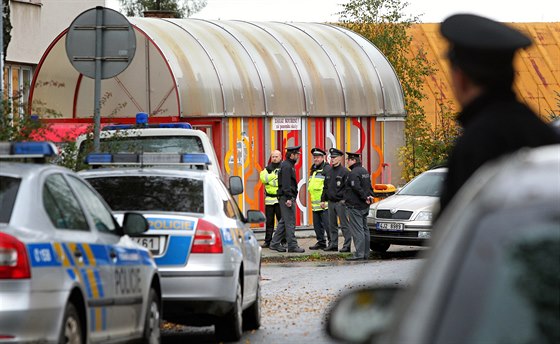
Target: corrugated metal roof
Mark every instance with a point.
(198, 68)
(538, 67)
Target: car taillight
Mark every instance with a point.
(14, 263)
(207, 238)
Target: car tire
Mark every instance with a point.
(379, 246)
(252, 315)
(71, 331)
(152, 334)
(229, 328)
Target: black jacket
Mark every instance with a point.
(287, 183)
(335, 178)
(494, 124)
(358, 187)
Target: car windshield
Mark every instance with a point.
(151, 193)
(8, 190)
(426, 184)
(149, 144)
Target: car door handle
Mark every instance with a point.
(78, 253)
(113, 255)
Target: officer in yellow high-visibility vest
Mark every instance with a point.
(269, 178)
(319, 207)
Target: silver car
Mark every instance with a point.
(68, 271)
(405, 218)
(208, 256)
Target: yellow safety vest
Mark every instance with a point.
(315, 188)
(270, 182)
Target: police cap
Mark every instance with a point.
(293, 149)
(482, 47)
(318, 151)
(335, 152)
(355, 156)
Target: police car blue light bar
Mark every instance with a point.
(27, 149)
(149, 159)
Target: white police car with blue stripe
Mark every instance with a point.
(68, 271)
(208, 256)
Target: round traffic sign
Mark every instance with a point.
(100, 34)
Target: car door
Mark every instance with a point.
(246, 240)
(76, 245)
(124, 267)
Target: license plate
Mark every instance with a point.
(149, 242)
(389, 226)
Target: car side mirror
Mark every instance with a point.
(235, 185)
(255, 216)
(134, 223)
(360, 315)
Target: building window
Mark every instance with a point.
(17, 80)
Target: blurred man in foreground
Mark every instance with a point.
(495, 123)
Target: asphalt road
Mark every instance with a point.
(297, 295)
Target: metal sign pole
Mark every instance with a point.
(98, 71)
(100, 44)
(2, 58)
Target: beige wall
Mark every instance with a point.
(37, 22)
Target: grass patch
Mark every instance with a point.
(314, 257)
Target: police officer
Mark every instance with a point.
(358, 195)
(333, 194)
(315, 186)
(287, 193)
(494, 122)
(269, 178)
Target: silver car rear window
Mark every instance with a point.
(151, 193)
(8, 191)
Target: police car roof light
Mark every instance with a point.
(142, 118)
(147, 159)
(27, 149)
(182, 125)
(117, 127)
(99, 158)
(196, 159)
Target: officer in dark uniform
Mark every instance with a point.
(358, 195)
(287, 193)
(495, 123)
(334, 193)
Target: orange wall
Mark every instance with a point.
(538, 67)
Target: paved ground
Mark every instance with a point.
(306, 238)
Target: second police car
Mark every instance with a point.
(68, 271)
(208, 256)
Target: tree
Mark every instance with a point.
(7, 26)
(182, 8)
(383, 23)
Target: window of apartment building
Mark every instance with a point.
(17, 80)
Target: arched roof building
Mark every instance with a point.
(194, 68)
(237, 81)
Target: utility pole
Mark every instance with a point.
(2, 57)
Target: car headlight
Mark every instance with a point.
(371, 212)
(424, 216)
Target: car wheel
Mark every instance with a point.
(152, 324)
(252, 315)
(71, 332)
(379, 246)
(229, 327)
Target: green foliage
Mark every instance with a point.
(555, 114)
(383, 23)
(182, 8)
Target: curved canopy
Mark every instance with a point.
(197, 68)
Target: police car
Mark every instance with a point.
(154, 138)
(208, 256)
(68, 272)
